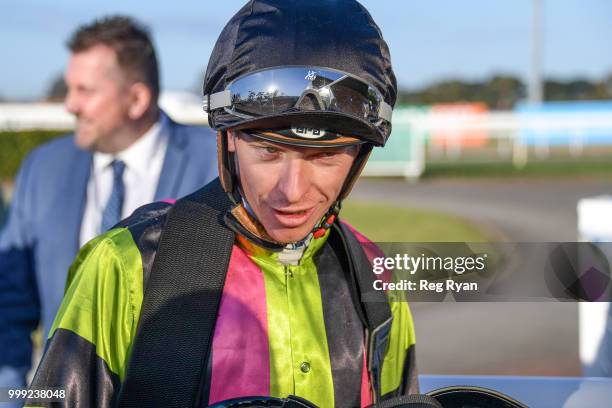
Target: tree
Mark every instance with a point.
(498, 92)
(504, 91)
(57, 90)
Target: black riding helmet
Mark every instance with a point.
(304, 73)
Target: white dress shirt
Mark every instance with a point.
(143, 164)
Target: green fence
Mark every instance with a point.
(403, 155)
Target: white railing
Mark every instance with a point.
(180, 106)
(503, 127)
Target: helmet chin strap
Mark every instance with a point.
(351, 178)
(242, 219)
(327, 221)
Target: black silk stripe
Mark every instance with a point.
(410, 378)
(343, 327)
(204, 391)
(409, 383)
(145, 225)
(70, 363)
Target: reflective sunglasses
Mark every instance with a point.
(276, 91)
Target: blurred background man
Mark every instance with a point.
(125, 152)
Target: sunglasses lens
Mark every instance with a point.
(290, 89)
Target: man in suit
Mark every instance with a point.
(125, 152)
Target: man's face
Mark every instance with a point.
(99, 97)
(289, 188)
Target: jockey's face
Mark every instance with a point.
(289, 188)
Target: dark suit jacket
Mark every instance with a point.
(2, 209)
(41, 235)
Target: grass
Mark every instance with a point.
(384, 223)
(549, 169)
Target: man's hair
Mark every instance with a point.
(131, 42)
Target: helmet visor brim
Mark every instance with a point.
(328, 122)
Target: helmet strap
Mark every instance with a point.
(327, 221)
(226, 165)
(360, 161)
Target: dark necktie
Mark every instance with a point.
(112, 212)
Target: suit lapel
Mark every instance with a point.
(73, 198)
(174, 164)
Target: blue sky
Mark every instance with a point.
(429, 40)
